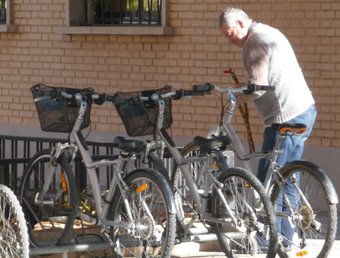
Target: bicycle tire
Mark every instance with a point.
(160, 236)
(320, 193)
(50, 223)
(14, 241)
(255, 220)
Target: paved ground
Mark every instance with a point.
(195, 250)
(190, 251)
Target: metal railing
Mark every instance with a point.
(16, 151)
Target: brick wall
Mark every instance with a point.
(195, 53)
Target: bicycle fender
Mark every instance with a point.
(320, 174)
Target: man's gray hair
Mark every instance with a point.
(230, 15)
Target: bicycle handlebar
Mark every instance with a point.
(175, 95)
(87, 94)
(245, 89)
(201, 89)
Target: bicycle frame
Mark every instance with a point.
(77, 143)
(272, 174)
(161, 138)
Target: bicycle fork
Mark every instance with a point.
(40, 197)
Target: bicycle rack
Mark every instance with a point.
(15, 152)
(66, 249)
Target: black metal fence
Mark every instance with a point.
(15, 152)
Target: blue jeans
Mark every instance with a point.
(292, 148)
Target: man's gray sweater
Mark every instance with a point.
(270, 60)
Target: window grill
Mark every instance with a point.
(123, 12)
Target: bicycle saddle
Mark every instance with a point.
(129, 145)
(287, 128)
(214, 144)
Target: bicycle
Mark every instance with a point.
(136, 214)
(231, 203)
(315, 216)
(13, 230)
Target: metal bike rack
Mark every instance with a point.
(15, 152)
(66, 249)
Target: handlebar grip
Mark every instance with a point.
(228, 70)
(100, 99)
(196, 93)
(185, 93)
(251, 88)
(203, 87)
(264, 87)
(110, 98)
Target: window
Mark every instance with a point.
(6, 24)
(117, 17)
(123, 12)
(3, 11)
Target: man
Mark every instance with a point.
(269, 59)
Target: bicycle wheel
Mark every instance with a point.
(152, 208)
(313, 214)
(50, 222)
(248, 226)
(13, 229)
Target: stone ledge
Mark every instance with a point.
(121, 30)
